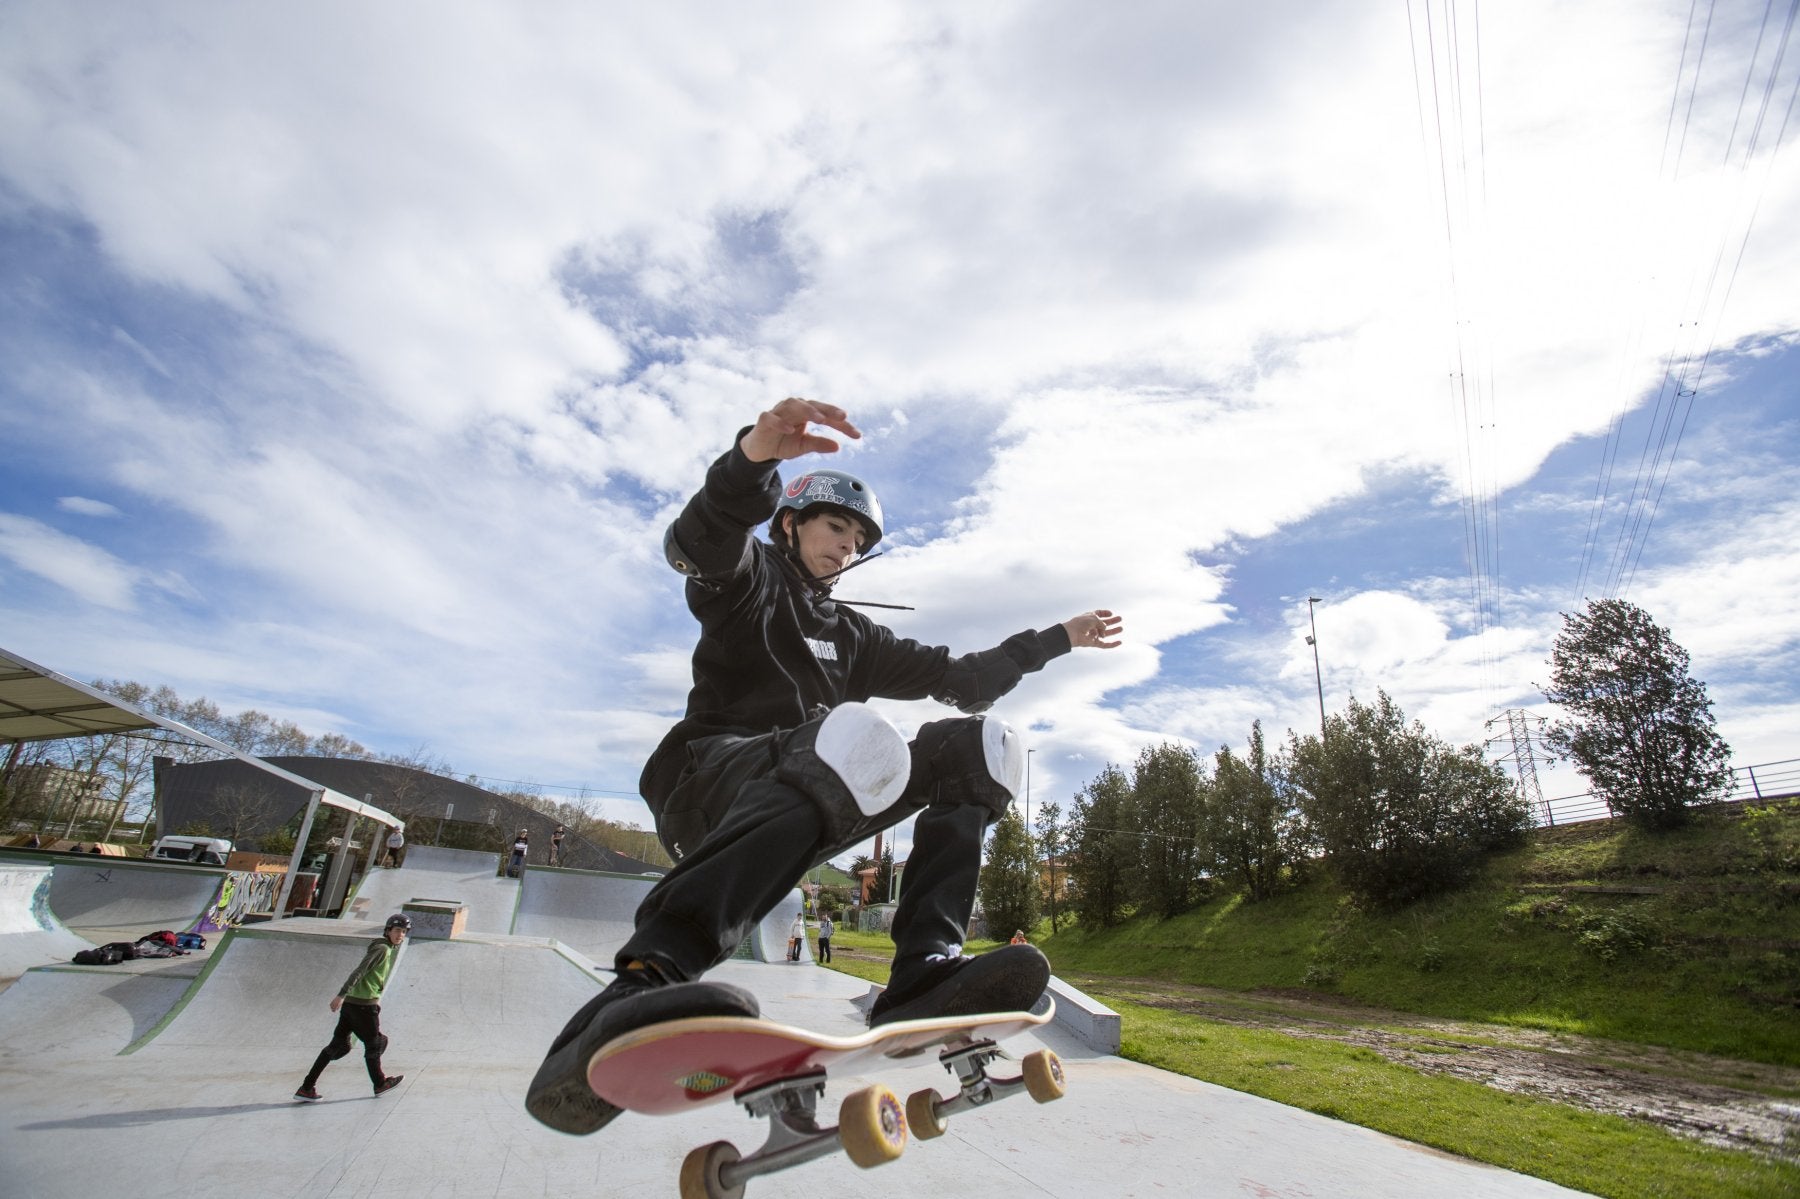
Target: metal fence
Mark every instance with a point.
(1766, 780)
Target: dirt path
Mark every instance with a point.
(1733, 1104)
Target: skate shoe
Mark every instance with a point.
(309, 1094)
(1011, 978)
(559, 1096)
(389, 1083)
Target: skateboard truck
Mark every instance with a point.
(871, 1129)
(1041, 1077)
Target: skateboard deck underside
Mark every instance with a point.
(683, 1064)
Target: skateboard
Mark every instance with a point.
(778, 1072)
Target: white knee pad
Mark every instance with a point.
(1004, 748)
(867, 753)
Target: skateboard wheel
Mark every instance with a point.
(700, 1172)
(872, 1126)
(922, 1119)
(1043, 1076)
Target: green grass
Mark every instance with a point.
(1709, 961)
(1605, 1155)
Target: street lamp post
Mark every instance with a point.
(1318, 676)
(1028, 754)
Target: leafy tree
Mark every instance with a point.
(1052, 839)
(1253, 830)
(1642, 728)
(1102, 850)
(1168, 803)
(1399, 813)
(1009, 881)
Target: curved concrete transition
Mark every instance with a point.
(30, 933)
(769, 939)
(107, 899)
(471, 878)
(200, 1100)
(584, 909)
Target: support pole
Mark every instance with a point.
(306, 823)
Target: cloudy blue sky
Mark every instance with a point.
(353, 357)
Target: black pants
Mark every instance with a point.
(743, 832)
(824, 949)
(364, 1021)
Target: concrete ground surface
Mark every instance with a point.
(178, 1081)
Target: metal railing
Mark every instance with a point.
(1763, 781)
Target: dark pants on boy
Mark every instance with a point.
(743, 822)
(364, 1021)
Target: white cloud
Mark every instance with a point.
(413, 339)
(82, 506)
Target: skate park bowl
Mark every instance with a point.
(149, 1086)
(30, 933)
(467, 877)
(109, 899)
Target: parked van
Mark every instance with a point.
(205, 851)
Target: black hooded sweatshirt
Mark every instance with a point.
(776, 651)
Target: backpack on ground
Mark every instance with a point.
(166, 936)
(99, 955)
(190, 941)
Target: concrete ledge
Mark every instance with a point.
(436, 919)
(1090, 1021)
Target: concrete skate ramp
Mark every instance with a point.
(56, 1014)
(468, 877)
(30, 933)
(450, 1003)
(110, 900)
(769, 939)
(208, 1097)
(586, 910)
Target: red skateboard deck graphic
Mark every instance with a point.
(779, 1071)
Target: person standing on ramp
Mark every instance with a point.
(358, 1008)
(780, 764)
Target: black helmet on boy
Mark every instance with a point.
(398, 921)
(836, 489)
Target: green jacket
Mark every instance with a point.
(371, 974)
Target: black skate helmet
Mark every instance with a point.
(835, 489)
(398, 921)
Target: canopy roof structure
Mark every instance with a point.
(38, 704)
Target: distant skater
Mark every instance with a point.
(358, 1008)
(796, 937)
(396, 847)
(825, 931)
(556, 840)
(520, 847)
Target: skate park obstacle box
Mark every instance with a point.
(436, 919)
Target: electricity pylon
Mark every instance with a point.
(1524, 755)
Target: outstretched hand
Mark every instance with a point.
(781, 432)
(1098, 629)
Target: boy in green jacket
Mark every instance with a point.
(358, 1005)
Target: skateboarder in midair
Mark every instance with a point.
(358, 1008)
(779, 763)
